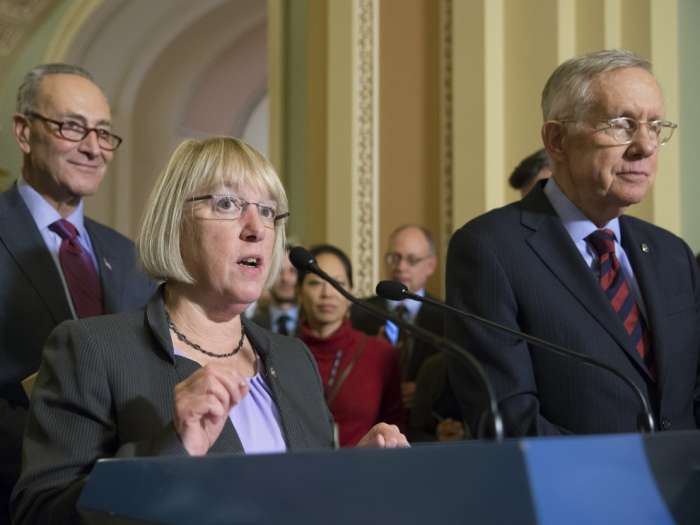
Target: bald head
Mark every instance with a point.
(411, 256)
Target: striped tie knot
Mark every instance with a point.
(603, 241)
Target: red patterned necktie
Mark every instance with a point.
(79, 271)
(612, 281)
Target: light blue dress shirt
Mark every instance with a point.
(44, 215)
(579, 227)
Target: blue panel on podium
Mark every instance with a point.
(594, 479)
(600, 479)
(427, 484)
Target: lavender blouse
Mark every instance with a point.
(256, 418)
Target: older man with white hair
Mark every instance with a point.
(567, 265)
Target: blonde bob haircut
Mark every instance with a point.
(199, 167)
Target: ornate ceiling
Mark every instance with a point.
(17, 17)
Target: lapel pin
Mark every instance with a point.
(109, 266)
(645, 247)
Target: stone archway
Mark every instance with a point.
(171, 70)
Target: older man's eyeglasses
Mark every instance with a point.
(229, 207)
(623, 129)
(75, 132)
(394, 259)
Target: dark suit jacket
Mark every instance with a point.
(105, 389)
(428, 317)
(518, 265)
(33, 302)
(262, 316)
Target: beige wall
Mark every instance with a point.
(503, 52)
(530, 55)
(317, 128)
(689, 116)
(409, 169)
(419, 131)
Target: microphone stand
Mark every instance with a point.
(303, 260)
(397, 291)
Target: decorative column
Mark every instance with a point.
(352, 136)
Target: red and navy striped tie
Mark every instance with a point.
(612, 281)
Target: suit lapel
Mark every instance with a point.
(109, 269)
(553, 245)
(643, 264)
(423, 315)
(228, 440)
(262, 316)
(19, 234)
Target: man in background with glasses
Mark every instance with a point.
(55, 264)
(410, 260)
(567, 265)
(280, 312)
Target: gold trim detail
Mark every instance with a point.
(69, 27)
(16, 19)
(446, 125)
(365, 227)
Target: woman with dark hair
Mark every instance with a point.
(360, 373)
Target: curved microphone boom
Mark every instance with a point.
(301, 259)
(396, 291)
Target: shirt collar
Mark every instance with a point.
(43, 213)
(573, 219)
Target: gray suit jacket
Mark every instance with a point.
(105, 389)
(33, 302)
(518, 266)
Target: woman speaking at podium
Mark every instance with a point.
(187, 375)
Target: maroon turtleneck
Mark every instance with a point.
(371, 393)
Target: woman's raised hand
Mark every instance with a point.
(202, 405)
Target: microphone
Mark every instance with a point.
(301, 259)
(396, 291)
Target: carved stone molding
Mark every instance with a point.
(366, 161)
(17, 17)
